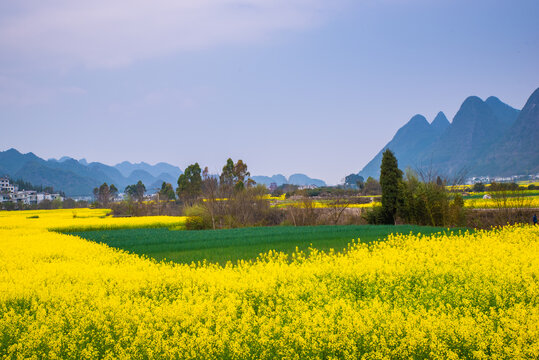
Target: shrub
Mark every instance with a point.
(478, 187)
(374, 216)
(195, 223)
(198, 218)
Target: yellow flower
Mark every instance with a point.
(441, 297)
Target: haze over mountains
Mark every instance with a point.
(295, 179)
(79, 178)
(485, 138)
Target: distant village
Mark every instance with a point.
(500, 179)
(11, 193)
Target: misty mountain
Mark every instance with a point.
(12, 161)
(141, 175)
(295, 179)
(474, 128)
(267, 180)
(518, 150)
(78, 178)
(487, 138)
(414, 138)
(505, 113)
(37, 172)
(304, 180)
(126, 169)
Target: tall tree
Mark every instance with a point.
(167, 192)
(390, 181)
(210, 191)
(190, 184)
(136, 191)
(354, 181)
(240, 173)
(227, 175)
(372, 187)
(113, 191)
(234, 175)
(105, 194)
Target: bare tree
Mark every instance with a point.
(210, 192)
(509, 200)
(336, 208)
(303, 213)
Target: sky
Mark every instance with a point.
(288, 86)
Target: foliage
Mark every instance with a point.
(372, 187)
(244, 207)
(441, 297)
(457, 213)
(233, 176)
(374, 215)
(190, 184)
(233, 201)
(390, 182)
(197, 217)
(195, 223)
(503, 187)
(136, 191)
(303, 213)
(104, 194)
(167, 192)
(429, 203)
(478, 187)
(354, 181)
(328, 191)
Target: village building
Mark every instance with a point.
(11, 193)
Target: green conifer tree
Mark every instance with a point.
(390, 180)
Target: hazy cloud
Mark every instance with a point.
(103, 33)
(20, 93)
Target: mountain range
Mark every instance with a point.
(79, 178)
(485, 138)
(295, 179)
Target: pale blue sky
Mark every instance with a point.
(286, 85)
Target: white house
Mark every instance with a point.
(9, 192)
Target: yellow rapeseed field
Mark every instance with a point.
(327, 205)
(521, 202)
(473, 296)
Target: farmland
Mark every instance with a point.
(221, 246)
(440, 296)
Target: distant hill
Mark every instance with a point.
(267, 180)
(127, 168)
(301, 179)
(79, 178)
(295, 179)
(413, 138)
(485, 138)
(518, 150)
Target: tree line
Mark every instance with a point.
(230, 199)
(409, 200)
(233, 199)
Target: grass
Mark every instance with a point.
(221, 246)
